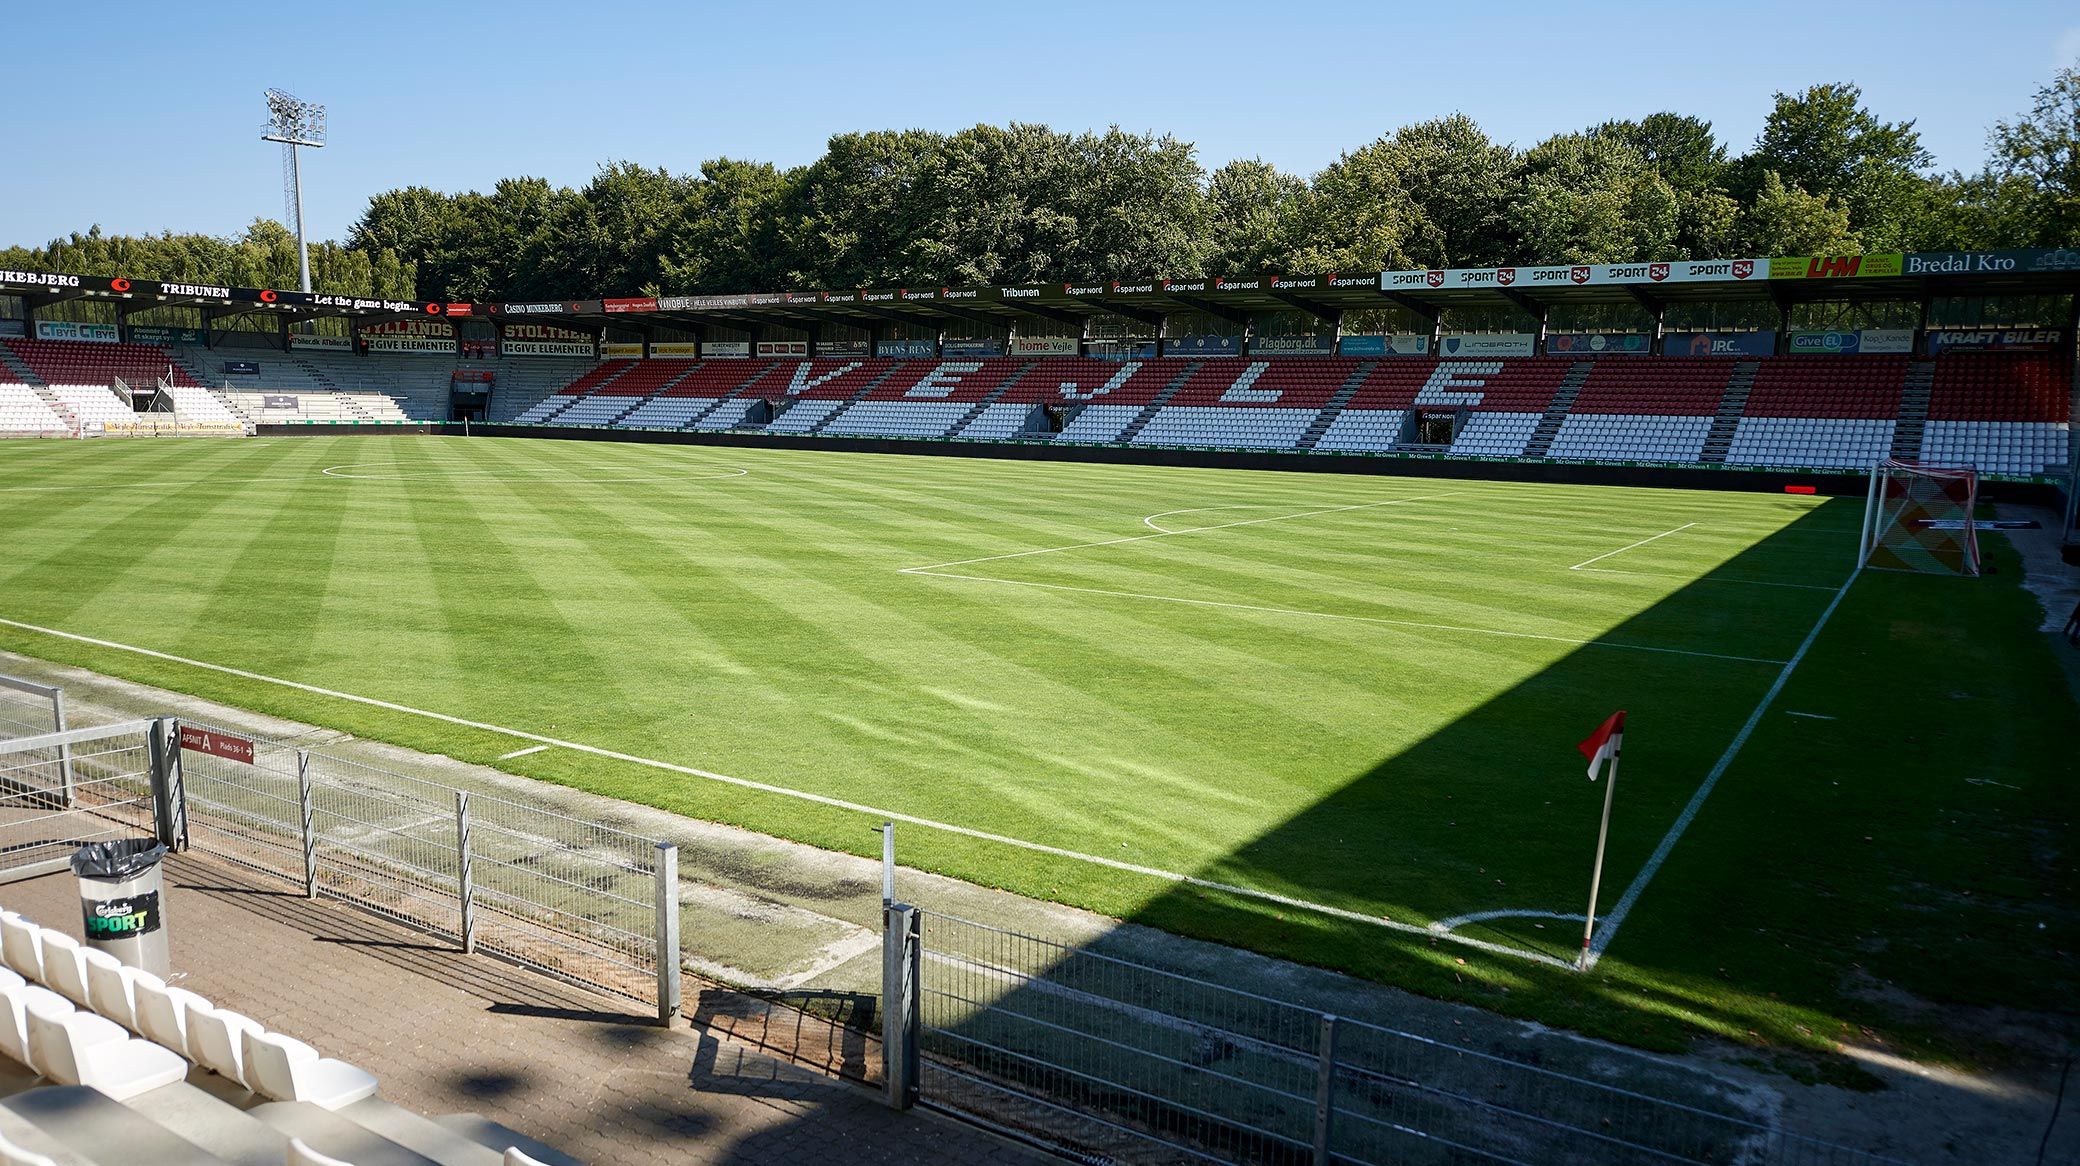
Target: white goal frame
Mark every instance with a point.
(1920, 517)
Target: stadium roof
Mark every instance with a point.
(1883, 276)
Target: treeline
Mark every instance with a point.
(1024, 203)
(263, 255)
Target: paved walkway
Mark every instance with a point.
(446, 1033)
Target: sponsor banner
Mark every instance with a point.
(471, 376)
(843, 348)
(435, 328)
(511, 332)
(140, 334)
(726, 349)
(1122, 349)
(1600, 343)
(363, 304)
(1991, 262)
(1320, 344)
(614, 351)
(1843, 343)
(223, 745)
(243, 368)
(1043, 345)
(974, 348)
(1488, 344)
(557, 308)
(426, 345)
(676, 349)
(67, 330)
(1578, 275)
(1874, 266)
(783, 348)
(1397, 344)
(547, 347)
(906, 348)
(14, 329)
(333, 343)
(1719, 343)
(278, 401)
(637, 304)
(1205, 344)
(2005, 339)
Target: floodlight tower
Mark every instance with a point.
(294, 123)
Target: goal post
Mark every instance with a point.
(1921, 517)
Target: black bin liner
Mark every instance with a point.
(118, 861)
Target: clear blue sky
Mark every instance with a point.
(148, 119)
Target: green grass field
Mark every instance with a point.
(1359, 693)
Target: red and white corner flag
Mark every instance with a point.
(1602, 744)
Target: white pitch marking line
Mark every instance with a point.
(1623, 549)
(1150, 521)
(1373, 619)
(783, 791)
(1694, 578)
(1809, 716)
(521, 752)
(1615, 917)
(1445, 925)
(1135, 538)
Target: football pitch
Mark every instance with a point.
(1328, 717)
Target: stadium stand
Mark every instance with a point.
(109, 1058)
(23, 411)
(94, 408)
(71, 362)
(2004, 412)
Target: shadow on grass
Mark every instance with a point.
(1860, 871)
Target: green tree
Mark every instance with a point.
(1826, 143)
(1254, 211)
(1591, 198)
(1785, 220)
(2034, 195)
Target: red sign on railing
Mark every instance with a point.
(217, 744)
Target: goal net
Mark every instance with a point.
(1919, 518)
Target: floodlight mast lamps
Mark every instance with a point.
(294, 123)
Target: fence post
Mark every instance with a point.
(668, 1001)
(1325, 1092)
(307, 813)
(888, 863)
(169, 794)
(65, 750)
(465, 886)
(902, 926)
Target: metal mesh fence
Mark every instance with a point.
(25, 709)
(1132, 1062)
(54, 798)
(569, 897)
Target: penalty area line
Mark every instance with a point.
(1156, 873)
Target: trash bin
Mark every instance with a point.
(120, 900)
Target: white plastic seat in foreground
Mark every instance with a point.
(286, 1069)
(16, 1002)
(13, 1155)
(515, 1158)
(162, 1012)
(94, 1051)
(21, 947)
(64, 965)
(216, 1041)
(302, 1155)
(109, 992)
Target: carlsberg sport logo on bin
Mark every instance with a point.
(121, 918)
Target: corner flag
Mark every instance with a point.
(1602, 744)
